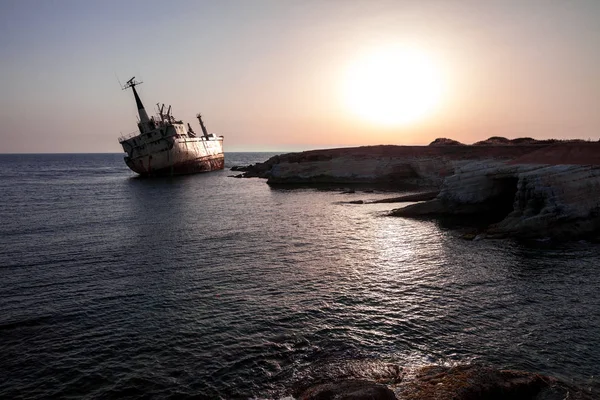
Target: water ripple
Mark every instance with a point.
(212, 287)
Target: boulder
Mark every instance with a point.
(493, 141)
(460, 382)
(445, 142)
(474, 382)
(348, 390)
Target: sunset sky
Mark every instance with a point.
(286, 75)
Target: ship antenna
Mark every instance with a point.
(118, 80)
(132, 83)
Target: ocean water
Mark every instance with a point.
(206, 286)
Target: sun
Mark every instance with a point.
(393, 86)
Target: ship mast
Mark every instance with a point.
(204, 131)
(141, 110)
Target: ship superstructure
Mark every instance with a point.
(164, 145)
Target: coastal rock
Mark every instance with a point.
(240, 168)
(259, 170)
(421, 196)
(359, 170)
(401, 171)
(519, 187)
(399, 166)
(460, 382)
(558, 201)
(445, 142)
(348, 390)
(502, 141)
(406, 165)
(473, 382)
(493, 141)
(527, 200)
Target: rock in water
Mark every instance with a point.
(473, 382)
(348, 390)
(422, 196)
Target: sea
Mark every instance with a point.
(213, 287)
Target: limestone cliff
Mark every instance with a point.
(531, 197)
(559, 201)
(421, 166)
(352, 169)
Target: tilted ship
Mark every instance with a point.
(166, 146)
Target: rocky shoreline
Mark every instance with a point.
(526, 189)
(461, 382)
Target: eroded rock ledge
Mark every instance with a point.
(551, 193)
(400, 166)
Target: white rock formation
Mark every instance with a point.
(547, 200)
(554, 200)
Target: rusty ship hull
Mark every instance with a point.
(169, 155)
(163, 145)
(201, 164)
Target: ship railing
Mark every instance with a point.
(127, 136)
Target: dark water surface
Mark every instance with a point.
(215, 287)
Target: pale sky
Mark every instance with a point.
(271, 75)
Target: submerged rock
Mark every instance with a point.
(242, 168)
(422, 196)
